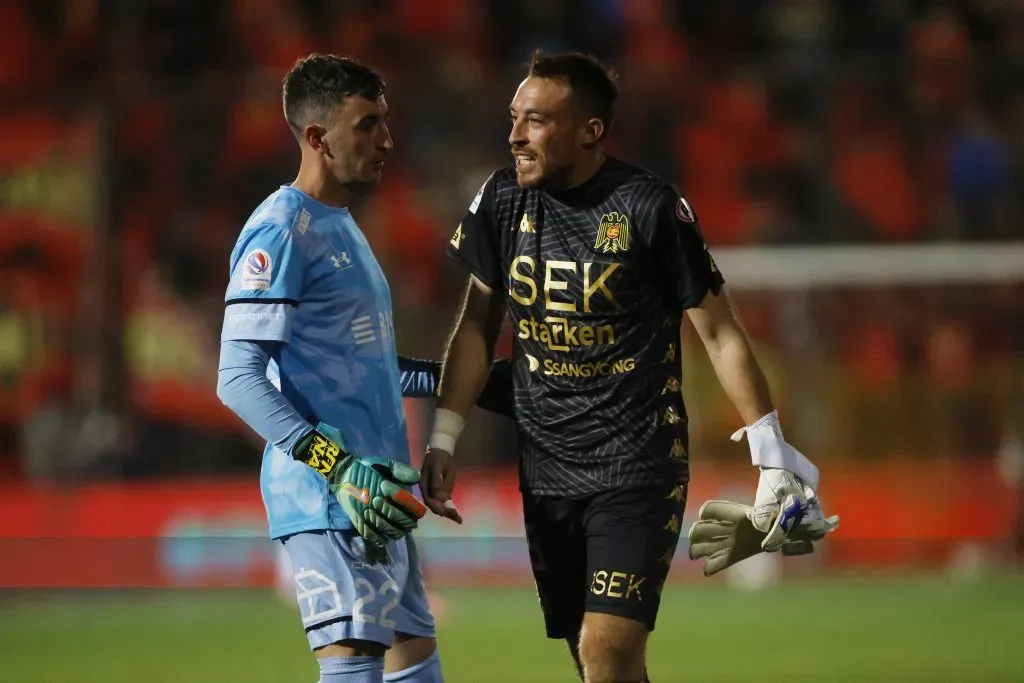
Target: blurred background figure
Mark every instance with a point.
(857, 167)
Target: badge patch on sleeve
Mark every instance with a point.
(257, 268)
(479, 195)
(683, 211)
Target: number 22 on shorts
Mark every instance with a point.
(368, 597)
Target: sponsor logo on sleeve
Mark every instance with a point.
(683, 211)
(257, 269)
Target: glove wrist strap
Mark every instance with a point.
(769, 449)
(319, 452)
(447, 427)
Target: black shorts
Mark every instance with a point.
(608, 552)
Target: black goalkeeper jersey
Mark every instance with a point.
(597, 279)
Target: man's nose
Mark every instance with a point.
(517, 136)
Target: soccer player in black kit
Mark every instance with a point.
(595, 261)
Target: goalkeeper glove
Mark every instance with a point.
(779, 503)
(370, 490)
(724, 534)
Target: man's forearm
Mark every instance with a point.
(741, 376)
(470, 352)
(467, 363)
(242, 386)
(744, 382)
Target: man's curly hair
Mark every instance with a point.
(318, 83)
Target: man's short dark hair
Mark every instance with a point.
(318, 83)
(591, 82)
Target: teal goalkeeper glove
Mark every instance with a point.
(370, 490)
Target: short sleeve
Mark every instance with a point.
(680, 250)
(267, 274)
(476, 242)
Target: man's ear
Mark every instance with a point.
(314, 136)
(594, 130)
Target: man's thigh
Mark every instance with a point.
(342, 595)
(556, 539)
(631, 538)
(412, 615)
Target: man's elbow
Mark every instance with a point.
(225, 390)
(727, 343)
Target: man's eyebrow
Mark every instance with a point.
(527, 112)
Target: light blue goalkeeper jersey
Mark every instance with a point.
(302, 273)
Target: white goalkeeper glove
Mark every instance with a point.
(780, 502)
(724, 534)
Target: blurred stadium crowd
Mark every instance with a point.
(137, 135)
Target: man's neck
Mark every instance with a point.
(586, 170)
(314, 181)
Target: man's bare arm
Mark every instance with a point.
(732, 356)
(467, 363)
(785, 515)
(470, 351)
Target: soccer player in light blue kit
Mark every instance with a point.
(308, 361)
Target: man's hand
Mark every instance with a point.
(725, 535)
(779, 505)
(780, 502)
(370, 490)
(438, 483)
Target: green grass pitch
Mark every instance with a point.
(921, 629)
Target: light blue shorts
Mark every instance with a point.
(342, 597)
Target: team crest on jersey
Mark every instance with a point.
(613, 233)
(257, 269)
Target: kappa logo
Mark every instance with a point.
(671, 416)
(526, 225)
(613, 233)
(678, 494)
(678, 450)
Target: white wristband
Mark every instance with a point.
(769, 449)
(447, 426)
